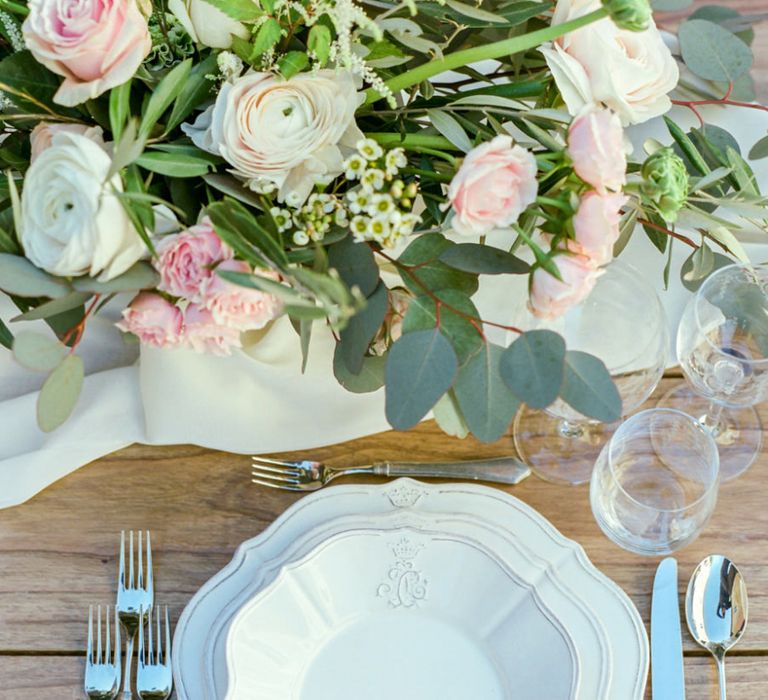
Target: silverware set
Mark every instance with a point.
(132, 612)
(716, 613)
(307, 475)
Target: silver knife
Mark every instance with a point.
(667, 678)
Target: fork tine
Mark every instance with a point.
(118, 648)
(108, 651)
(276, 462)
(99, 658)
(167, 652)
(149, 586)
(275, 470)
(158, 638)
(274, 477)
(89, 651)
(140, 580)
(130, 563)
(273, 485)
(142, 651)
(121, 572)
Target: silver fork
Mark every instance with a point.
(102, 664)
(154, 679)
(307, 475)
(135, 597)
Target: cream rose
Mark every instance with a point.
(630, 72)
(71, 222)
(207, 24)
(282, 134)
(94, 44)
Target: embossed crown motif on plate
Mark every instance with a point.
(406, 549)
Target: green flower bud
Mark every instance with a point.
(634, 15)
(665, 182)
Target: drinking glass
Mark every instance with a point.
(655, 483)
(722, 347)
(621, 322)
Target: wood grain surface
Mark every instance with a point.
(58, 553)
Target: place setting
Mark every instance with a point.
(383, 349)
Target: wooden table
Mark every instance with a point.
(58, 553)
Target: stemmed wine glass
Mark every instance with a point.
(621, 322)
(722, 347)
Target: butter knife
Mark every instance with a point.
(667, 677)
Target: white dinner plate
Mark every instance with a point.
(615, 658)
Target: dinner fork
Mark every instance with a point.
(135, 597)
(102, 664)
(307, 475)
(154, 679)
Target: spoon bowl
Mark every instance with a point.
(716, 608)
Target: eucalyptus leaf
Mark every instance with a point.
(486, 403)
(423, 255)
(692, 283)
(54, 307)
(370, 378)
(361, 329)
(450, 128)
(21, 278)
(670, 5)
(355, 264)
(58, 395)
(533, 367)
(448, 416)
(421, 367)
(742, 172)
(760, 149)
(702, 262)
(483, 259)
(37, 351)
(588, 387)
(139, 276)
(712, 52)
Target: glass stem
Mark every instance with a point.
(712, 419)
(570, 430)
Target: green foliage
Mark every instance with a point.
(37, 351)
(355, 264)
(712, 52)
(483, 260)
(361, 329)
(58, 395)
(21, 278)
(242, 10)
(368, 379)
(533, 367)
(588, 388)
(424, 268)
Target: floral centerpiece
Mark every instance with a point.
(227, 162)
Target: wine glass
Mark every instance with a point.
(621, 322)
(722, 347)
(654, 485)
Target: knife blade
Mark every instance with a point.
(667, 677)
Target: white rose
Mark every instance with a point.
(630, 72)
(207, 24)
(282, 134)
(71, 223)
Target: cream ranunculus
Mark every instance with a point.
(282, 134)
(630, 72)
(71, 222)
(207, 24)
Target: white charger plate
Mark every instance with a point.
(200, 661)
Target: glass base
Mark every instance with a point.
(556, 450)
(738, 432)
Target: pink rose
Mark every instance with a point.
(550, 297)
(42, 135)
(495, 183)
(239, 307)
(154, 320)
(596, 223)
(596, 146)
(95, 44)
(186, 260)
(204, 335)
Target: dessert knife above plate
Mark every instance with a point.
(667, 677)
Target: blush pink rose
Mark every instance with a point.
(495, 183)
(596, 224)
(204, 335)
(550, 297)
(154, 320)
(95, 44)
(186, 260)
(240, 307)
(596, 146)
(42, 135)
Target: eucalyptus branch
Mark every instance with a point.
(673, 234)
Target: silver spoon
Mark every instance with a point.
(716, 609)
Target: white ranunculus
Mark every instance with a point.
(71, 222)
(207, 24)
(282, 134)
(630, 72)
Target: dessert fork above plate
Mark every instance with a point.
(308, 475)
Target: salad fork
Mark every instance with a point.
(102, 664)
(135, 597)
(154, 679)
(307, 475)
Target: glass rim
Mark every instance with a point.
(699, 296)
(691, 421)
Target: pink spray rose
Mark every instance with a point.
(204, 335)
(596, 146)
(95, 44)
(550, 297)
(596, 223)
(186, 260)
(240, 307)
(154, 320)
(495, 183)
(42, 135)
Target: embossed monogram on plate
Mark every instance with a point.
(404, 496)
(405, 587)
